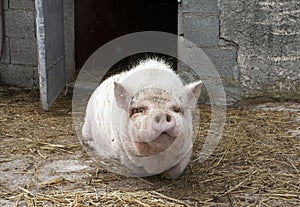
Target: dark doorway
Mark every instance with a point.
(100, 21)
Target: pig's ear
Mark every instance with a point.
(193, 93)
(121, 96)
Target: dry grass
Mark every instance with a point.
(257, 162)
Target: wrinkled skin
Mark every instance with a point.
(150, 130)
(154, 121)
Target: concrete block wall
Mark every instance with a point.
(254, 45)
(18, 65)
(200, 24)
(267, 33)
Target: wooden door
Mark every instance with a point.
(51, 49)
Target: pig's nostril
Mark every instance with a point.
(168, 118)
(163, 118)
(163, 122)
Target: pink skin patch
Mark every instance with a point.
(153, 122)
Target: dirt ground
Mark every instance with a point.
(42, 163)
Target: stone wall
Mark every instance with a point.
(199, 23)
(267, 33)
(254, 44)
(18, 65)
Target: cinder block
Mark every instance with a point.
(22, 4)
(23, 51)
(186, 73)
(201, 6)
(233, 93)
(225, 61)
(19, 23)
(267, 33)
(18, 75)
(203, 31)
(5, 4)
(6, 75)
(25, 76)
(6, 52)
(232, 90)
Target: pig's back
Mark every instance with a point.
(98, 125)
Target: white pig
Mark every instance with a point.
(141, 120)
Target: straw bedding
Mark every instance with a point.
(257, 162)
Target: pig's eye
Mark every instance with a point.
(138, 110)
(176, 109)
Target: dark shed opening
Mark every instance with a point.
(100, 21)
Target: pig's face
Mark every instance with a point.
(155, 119)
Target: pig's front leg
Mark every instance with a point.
(176, 170)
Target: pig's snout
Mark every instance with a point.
(163, 122)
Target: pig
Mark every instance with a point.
(139, 122)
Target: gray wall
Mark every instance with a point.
(200, 24)
(18, 66)
(255, 45)
(267, 34)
